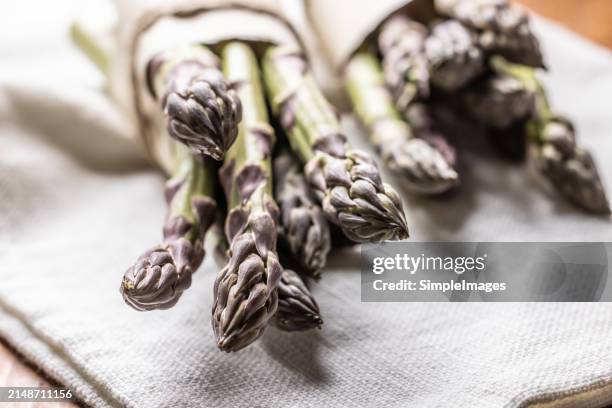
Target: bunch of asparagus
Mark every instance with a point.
(479, 58)
(285, 200)
(280, 199)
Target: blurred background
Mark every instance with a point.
(589, 18)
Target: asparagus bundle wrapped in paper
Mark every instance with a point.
(553, 149)
(303, 228)
(413, 61)
(297, 309)
(346, 182)
(202, 111)
(245, 294)
(424, 169)
(437, 53)
(160, 275)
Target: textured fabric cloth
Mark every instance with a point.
(78, 204)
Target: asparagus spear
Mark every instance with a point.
(553, 149)
(245, 294)
(420, 116)
(453, 56)
(503, 28)
(423, 168)
(503, 104)
(161, 274)
(304, 231)
(346, 182)
(498, 101)
(297, 309)
(401, 42)
(202, 111)
(407, 72)
(413, 58)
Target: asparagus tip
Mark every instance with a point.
(205, 115)
(366, 209)
(424, 168)
(159, 277)
(304, 230)
(575, 178)
(570, 169)
(297, 308)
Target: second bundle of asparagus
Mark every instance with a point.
(407, 63)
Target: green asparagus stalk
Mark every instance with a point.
(297, 308)
(553, 150)
(346, 182)
(245, 294)
(161, 274)
(423, 168)
(503, 28)
(303, 230)
(202, 110)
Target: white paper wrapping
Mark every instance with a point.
(343, 25)
(147, 27)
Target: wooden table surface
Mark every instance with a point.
(15, 373)
(590, 18)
